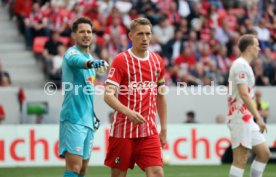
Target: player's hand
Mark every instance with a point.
(135, 117)
(163, 138)
(262, 125)
(100, 66)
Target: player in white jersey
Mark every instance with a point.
(246, 135)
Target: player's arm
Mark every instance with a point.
(77, 61)
(161, 104)
(113, 102)
(162, 113)
(243, 91)
(98, 65)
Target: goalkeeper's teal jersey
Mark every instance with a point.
(78, 88)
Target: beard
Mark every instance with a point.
(84, 46)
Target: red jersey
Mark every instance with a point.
(138, 80)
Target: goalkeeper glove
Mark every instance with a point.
(98, 65)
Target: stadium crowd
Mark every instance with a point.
(196, 38)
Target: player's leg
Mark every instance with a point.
(119, 156)
(261, 149)
(73, 165)
(87, 150)
(148, 156)
(84, 167)
(72, 138)
(118, 173)
(240, 156)
(154, 171)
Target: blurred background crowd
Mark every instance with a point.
(196, 38)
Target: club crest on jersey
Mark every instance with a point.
(117, 160)
(111, 72)
(157, 73)
(91, 80)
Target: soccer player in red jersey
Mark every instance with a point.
(134, 88)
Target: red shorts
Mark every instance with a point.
(123, 153)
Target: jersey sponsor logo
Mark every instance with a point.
(142, 85)
(241, 75)
(111, 72)
(73, 52)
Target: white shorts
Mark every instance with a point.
(245, 134)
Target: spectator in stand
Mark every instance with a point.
(127, 18)
(164, 31)
(4, 77)
(55, 72)
(220, 119)
(263, 34)
(183, 8)
(36, 25)
(190, 117)
(58, 20)
(223, 65)
(22, 10)
(185, 58)
(253, 13)
(183, 27)
(114, 14)
(172, 13)
(194, 43)
(269, 63)
(123, 6)
(92, 12)
(207, 58)
(50, 48)
(5, 80)
(223, 33)
(260, 78)
(116, 29)
(261, 105)
(154, 46)
(76, 12)
(174, 46)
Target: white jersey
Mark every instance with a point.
(240, 73)
(244, 131)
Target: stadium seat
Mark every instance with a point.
(39, 43)
(64, 40)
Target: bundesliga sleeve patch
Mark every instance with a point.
(74, 52)
(111, 72)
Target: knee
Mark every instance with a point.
(75, 168)
(264, 156)
(82, 171)
(240, 162)
(156, 173)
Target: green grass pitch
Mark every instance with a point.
(170, 171)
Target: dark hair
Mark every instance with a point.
(79, 21)
(191, 114)
(245, 41)
(139, 21)
(4, 74)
